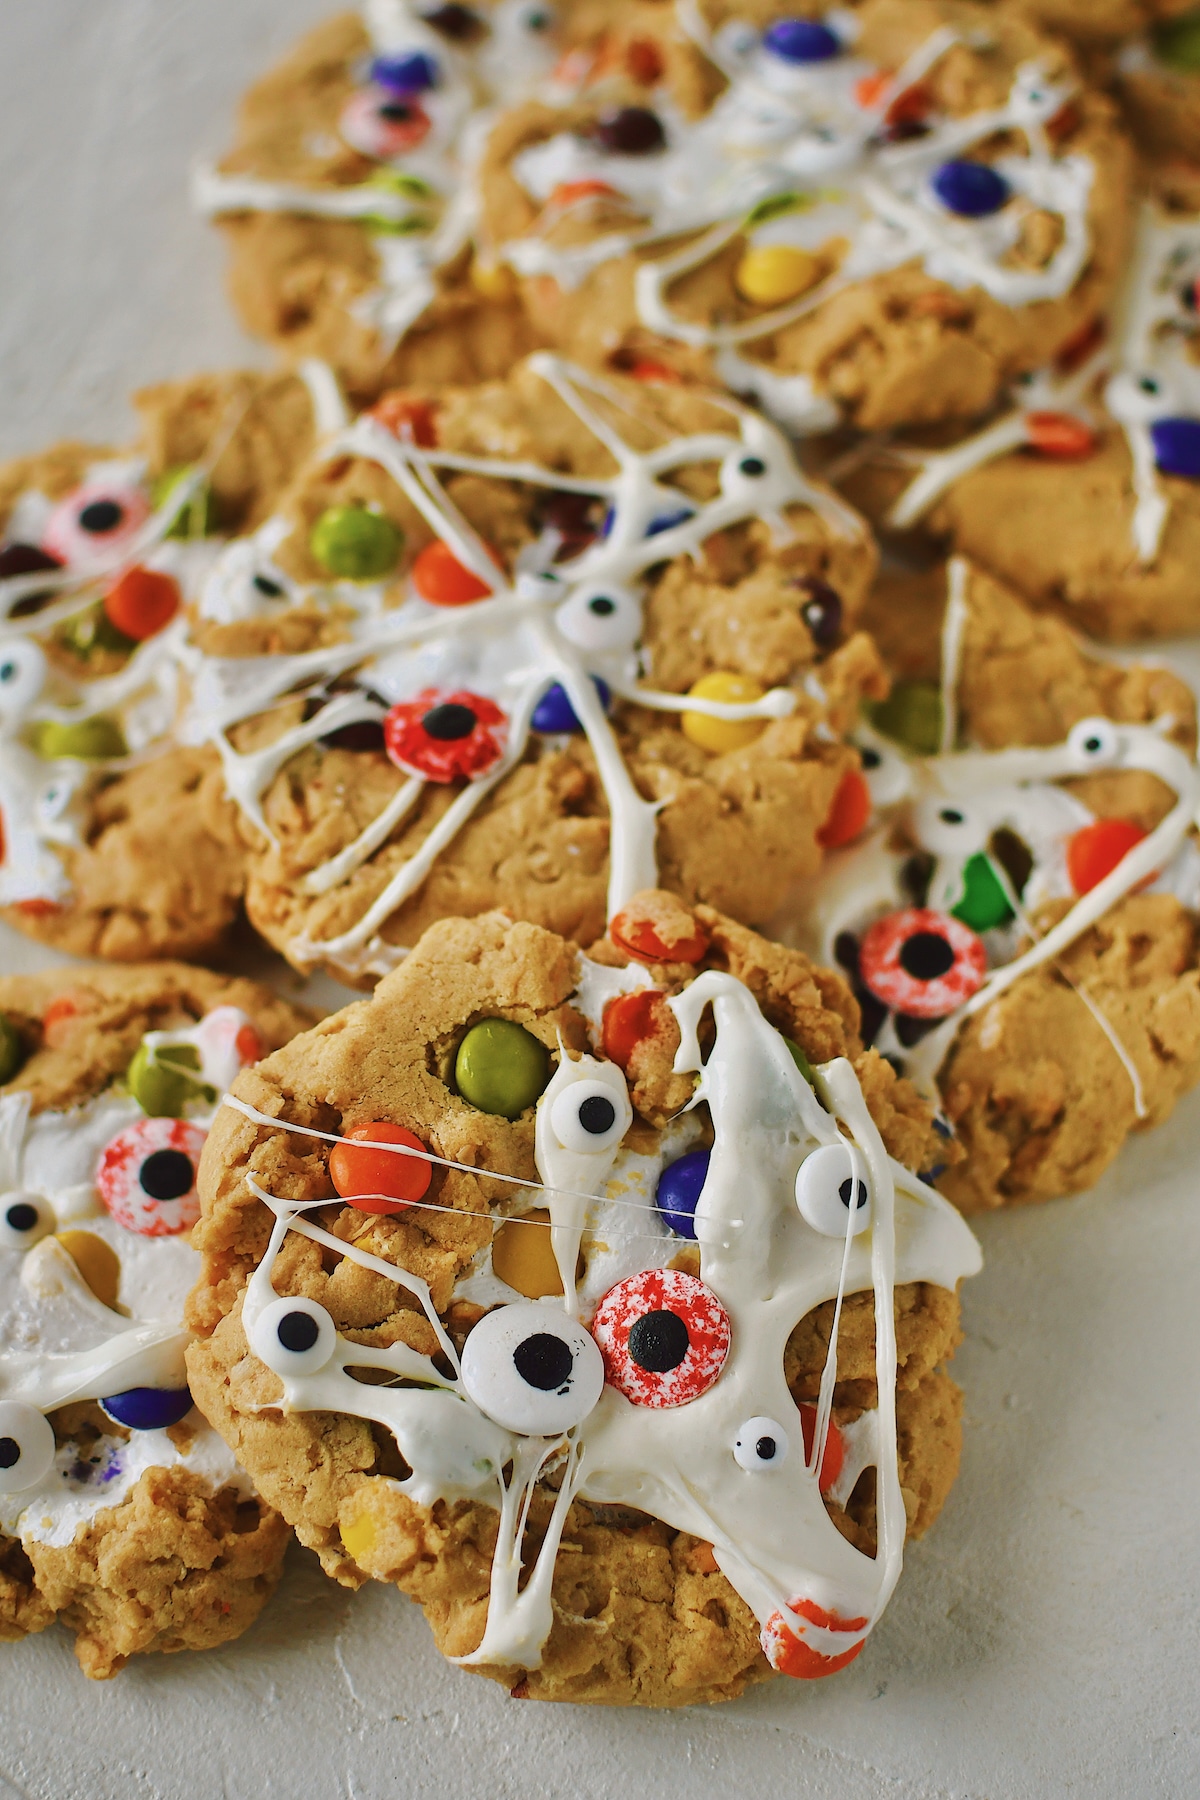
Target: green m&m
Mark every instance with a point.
(10, 1049)
(1177, 43)
(197, 517)
(161, 1089)
(801, 1061)
(84, 740)
(501, 1067)
(356, 544)
(984, 903)
(912, 716)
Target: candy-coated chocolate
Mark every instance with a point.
(162, 1089)
(718, 736)
(801, 41)
(198, 516)
(405, 72)
(631, 1018)
(848, 816)
(82, 740)
(1095, 851)
(1177, 43)
(1177, 447)
(141, 602)
(554, 712)
(148, 1409)
(96, 1261)
(356, 544)
(440, 578)
(984, 904)
(912, 715)
(523, 1256)
(679, 1188)
(773, 274)
(501, 1068)
(379, 1181)
(1059, 435)
(970, 189)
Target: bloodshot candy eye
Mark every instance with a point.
(446, 737)
(147, 1176)
(922, 963)
(664, 1337)
(382, 124)
(99, 520)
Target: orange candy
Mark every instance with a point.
(378, 1181)
(639, 938)
(248, 1044)
(568, 192)
(629, 1020)
(141, 602)
(643, 61)
(849, 813)
(1059, 435)
(1095, 851)
(792, 1656)
(645, 369)
(870, 89)
(440, 578)
(407, 418)
(835, 1451)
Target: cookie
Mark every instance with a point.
(122, 1512)
(1085, 495)
(1020, 921)
(633, 1395)
(345, 200)
(1158, 81)
(835, 235)
(539, 643)
(118, 840)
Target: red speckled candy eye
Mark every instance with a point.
(664, 1337)
(383, 125)
(808, 1654)
(98, 521)
(147, 1176)
(446, 737)
(922, 963)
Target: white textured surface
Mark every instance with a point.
(1044, 1640)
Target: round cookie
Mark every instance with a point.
(117, 840)
(644, 1412)
(345, 199)
(880, 228)
(601, 637)
(1019, 921)
(121, 1511)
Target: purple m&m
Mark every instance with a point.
(147, 1408)
(801, 41)
(1177, 447)
(554, 712)
(407, 72)
(971, 189)
(679, 1188)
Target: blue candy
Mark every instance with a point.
(971, 189)
(664, 521)
(678, 1191)
(1177, 446)
(147, 1408)
(409, 72)
(554, 712)
(801, 41)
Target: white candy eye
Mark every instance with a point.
(25, 1219)
(532, 1369)
(1136, 399)
(293, 1337)
(601, 616)
(26, 1446)
(826, 1185)
(761, 1443)
(591, 1115)
(950, 827)
(22, 675)
(1094, 744)
(745, 472)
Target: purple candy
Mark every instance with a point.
(147, 1408)
(1177, 447)
(410, 72)
(554, 712)
(971, 189)
(679, 1188)
(801, 41)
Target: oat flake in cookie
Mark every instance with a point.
(121, 1511)
(608, 1268)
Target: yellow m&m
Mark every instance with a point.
(523, 1256)
(719, 735)
(96, 1261)
(776, 273)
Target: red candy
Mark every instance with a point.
(629, 1020)
(142, 602)
(440, 578)
(1059, 435)
(922, 963)
(147, 1176)
(834, 1454)
(248, 1044)
(1096, 851)
(849, 813)
(664, 1337)
(639, 938)
(787, 1650)
(433, 735)
(407, 418)
(377, 1181)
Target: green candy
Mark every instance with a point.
(92, 631)
(984, 903)
(163, 1092)
(11, 1057)
(1177, 43)
(408, 187)
(801, 1061)
(198, 517)
(357, 545)
(84, 740)
(912, 715)
(501, 1067)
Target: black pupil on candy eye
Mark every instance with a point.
(870, 759)
(166, 1175)
(926, 955)
(10, 1453)
(544, 1361)
(1148, 384)
(602, 606)
(8, 671)
(21, 1216)
(597, 1115)
(764, 1449)
(396, 112)
(449, 722)
(1092, 744)
(658, 1342)
(847, 1189)
(266, 586)
(101, 515)
(949, 816)
(752, 465)
(298, 1331)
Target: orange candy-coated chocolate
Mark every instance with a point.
(849, 813)
(379, 1181)
(1095, 851)
(141, 602)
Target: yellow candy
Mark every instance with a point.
(360, 1538)
(494, 280)
(775, 274)
(96, 1261)
(719, 735)
(522, 1256)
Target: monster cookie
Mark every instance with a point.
(346, 199)
(122, 1512)
(1019, 920)
(881, 219)
(638, 1235)
(116, 839)
(550, 641)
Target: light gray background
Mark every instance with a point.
(1044, 1641)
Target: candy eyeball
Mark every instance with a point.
(1136, 399)
(664, 1336)
(383, 125)
(1094, 744)
(601, 617)
(26, 1446)
(25, 1219)
(147, 1176)
(100, 520)
(532, 1369)
(590, 1116)
(831, 1193)
(22, 676)
(761, 1445)
(293, 1336)
(950, 827)
(744, 473)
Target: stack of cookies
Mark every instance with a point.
(646, 633)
